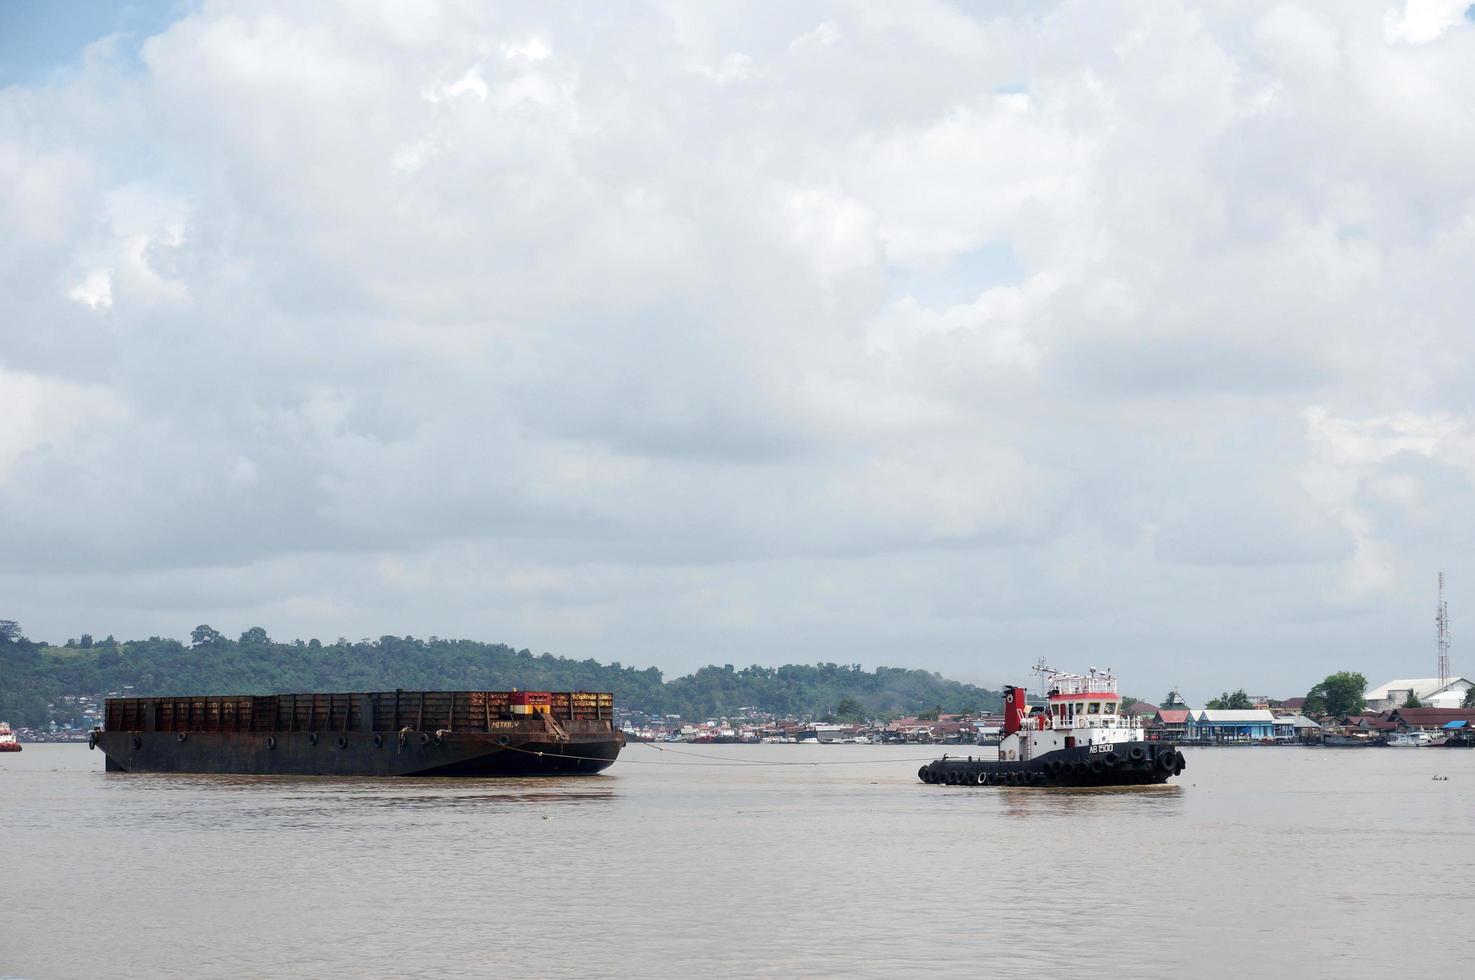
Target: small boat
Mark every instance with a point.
(1080, 738)
(1414, 740)
(829, 734)
(8, 741)
(1333, 741)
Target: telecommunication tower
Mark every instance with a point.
(1441, 620)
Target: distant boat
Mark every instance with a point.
(829, 734)
(1413, 740)
(1347, 741)
(8, 741)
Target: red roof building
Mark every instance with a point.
(1428, 719)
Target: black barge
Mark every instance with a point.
(384, 733)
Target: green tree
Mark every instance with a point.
(1411, 701)
(1338, 694)
(1238, 701)
(9, 631)
(931, 714)
(1469, 701)
(850, 710)
(204, 636)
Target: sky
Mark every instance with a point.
(938, 335)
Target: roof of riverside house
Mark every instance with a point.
(1173, 716)
(1377, 722)
(1218, 716)
(1293, 704)
(1141, 709)
(1429, 717)
(1298, 721)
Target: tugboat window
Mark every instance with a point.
(1110, 708)
(1094, 708)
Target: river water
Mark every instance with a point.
(1263, 861)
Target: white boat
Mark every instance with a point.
(1413, 740)
(829, 734)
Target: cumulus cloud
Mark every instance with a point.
(668, 334)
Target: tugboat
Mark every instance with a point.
(8, 741)
(1079, 739)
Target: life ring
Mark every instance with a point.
(378, 741)
(91, 740)
(1166, 760)
(181, 737)
(271, 741)
(1137, 753)
(504, 740)
(312, 738)
(342, 741)
(1097, 767)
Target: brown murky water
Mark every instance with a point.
(1260, 861)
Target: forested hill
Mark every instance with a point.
(35, 675)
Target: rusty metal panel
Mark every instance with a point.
(263, 713)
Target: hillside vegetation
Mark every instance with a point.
(34, 676)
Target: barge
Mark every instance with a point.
(1078, 738)
(383, 733)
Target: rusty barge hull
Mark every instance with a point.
(388, 733)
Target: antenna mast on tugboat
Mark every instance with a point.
(1441, 620)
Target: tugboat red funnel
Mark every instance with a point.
(1015, 709)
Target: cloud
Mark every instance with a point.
(43, 415)
(916, 335)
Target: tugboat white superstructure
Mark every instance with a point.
(1080, 738)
